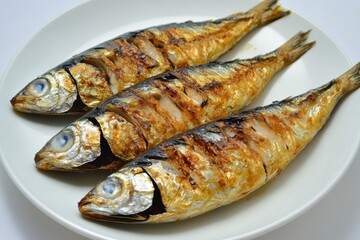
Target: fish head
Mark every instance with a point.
(70, 149)
(124, 196)
(52, 93)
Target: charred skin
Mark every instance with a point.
(150, 112)
(223, 161)
(100, 72)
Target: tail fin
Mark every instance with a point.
(295, 47)
(268, 11)
(351, 78)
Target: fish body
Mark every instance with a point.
(150, 112)
(89, 78)
(217, 163)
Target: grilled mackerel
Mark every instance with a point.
(155, 110)
(89, 78)
(215, 164)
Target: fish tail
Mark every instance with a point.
(295, 47)
(269, 11)
(351, 79)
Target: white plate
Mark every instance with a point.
(306, 181)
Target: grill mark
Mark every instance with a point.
(178, 42)
(212, 150)
(256, 154)
(214, 156)
(154, 107)
(260, 117)
(167, 78)
(169, 31)
(285, 128)
(120, 44)
(174, 42)
(113, 51)
(135, 119)
(168, 116)
(129, 51)
(214, 129)
(172, 93)
(96, 63)
(181, 163)
(134, 54)
(204, 103)
(112, 58)
(262, 160)
(265, 170)
(192, 183)
(168, 91)
(187, 81)
(141, 59)
(236, 120)
(119, 111)
(159, 45)
(212, 85)
(269, 126)
(292, 115)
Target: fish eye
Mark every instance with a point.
(63, 141)
(110, 188)
(39, 87)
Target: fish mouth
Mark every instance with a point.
(16, 104)
(50, 165)
(19, 102)
(25, 104)
(15, 101)
(40, 164)
(85, 208)
(43, 164)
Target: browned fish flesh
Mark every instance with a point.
(150, 112)
(217, 163)
(89, 78)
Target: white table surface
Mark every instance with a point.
(337, 216)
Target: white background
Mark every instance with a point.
(337, 216)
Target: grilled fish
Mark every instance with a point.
(215, 164)
(155, 110)
(89, 78)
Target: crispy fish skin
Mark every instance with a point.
(221, 162)
(100, 72)
(155, 110)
